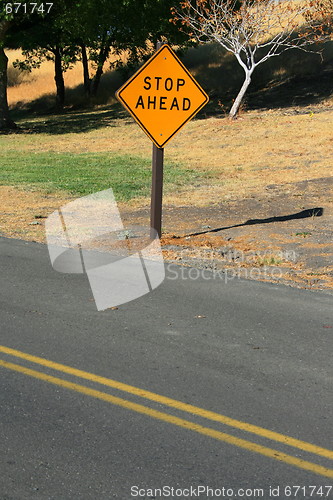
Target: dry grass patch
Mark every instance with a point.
(23, 212)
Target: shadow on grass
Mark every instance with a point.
(304, 214)
(79, 115)
(295, 78)
(71, 122)
(299, 91)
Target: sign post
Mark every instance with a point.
(156, 192)
(156, 186)
(161, 96)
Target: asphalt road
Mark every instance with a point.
(256, 357)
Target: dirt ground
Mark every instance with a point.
(282, 234)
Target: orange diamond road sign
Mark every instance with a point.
(162, 96)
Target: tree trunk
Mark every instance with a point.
(59, 79)
(5, 121)
(104, 52)
(86, 77)
(235, 107)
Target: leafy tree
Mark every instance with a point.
(53, 38)
(14, 19)
(114, 26)
(252, 30)
(86, 29)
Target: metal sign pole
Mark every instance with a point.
(156, 192)
(157, 186)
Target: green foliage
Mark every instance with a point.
(34, 58)
(304, 234)
(75, 29)
(16, 76)
(15, 17)
(41, 36)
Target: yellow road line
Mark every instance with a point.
(129, 405)
(216, 417)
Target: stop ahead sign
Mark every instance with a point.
(162, 96)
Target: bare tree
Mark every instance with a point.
(326, 10)
(252, 30)
(324, 14)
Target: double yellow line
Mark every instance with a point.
(178, 405)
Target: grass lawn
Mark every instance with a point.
(86, 173)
